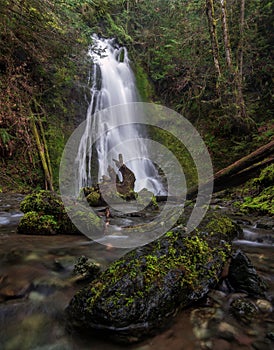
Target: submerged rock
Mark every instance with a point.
(141, 292)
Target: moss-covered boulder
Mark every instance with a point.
(34, 223)
(141, 292)
(44, 214)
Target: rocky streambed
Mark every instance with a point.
(37, 283)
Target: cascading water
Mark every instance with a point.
(113, 84)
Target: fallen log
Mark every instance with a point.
(244, 163)
(240, 171)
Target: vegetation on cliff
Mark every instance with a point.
(210, 62)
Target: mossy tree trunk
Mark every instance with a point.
(43, 152)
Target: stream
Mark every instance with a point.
(36, 284)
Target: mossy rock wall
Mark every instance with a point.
(142, 291)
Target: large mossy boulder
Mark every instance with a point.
(141, 292)
(44, 214)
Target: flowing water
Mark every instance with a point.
(36, 284)
(113, 83)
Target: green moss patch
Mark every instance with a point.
(259, 193)
(44, 214)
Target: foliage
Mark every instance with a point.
(38, 72)
(43, 71)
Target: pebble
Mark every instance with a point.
(35, 296)
(264, 305)
(226, 331)
(200, 319)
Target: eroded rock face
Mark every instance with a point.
(141, 292)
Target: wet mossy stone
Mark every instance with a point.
(140, 293)
(44, 213)
(86, 269)
(243, 277)
(244, 310)
(43, 201)
(94, 199)
(33, 223)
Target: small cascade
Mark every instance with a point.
(113, 84)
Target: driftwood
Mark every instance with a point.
(126, 186)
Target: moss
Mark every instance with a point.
(35, 224)
(42, 201)
(222, 225)
(144, 87)
(86, 268)
(259, 193)
(263, 203)
(46, 208)
(244, 310)
(94, 199)
(150, 283)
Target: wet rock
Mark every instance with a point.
(270, 335)
(44, 214)
(226, 331)
(264, 305)
(204, 321)
(140, 293)
(266, 344)
(244, 310)
(11, 291)
(33, 223)
(86, 269)
(243, 277)
(94, 198)
(217, 296)
(265, 223)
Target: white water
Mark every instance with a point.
(113, 84)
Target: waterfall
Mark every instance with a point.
(113, 84)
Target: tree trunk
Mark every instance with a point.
(234, 71)
(213, 35)
(241, 41)
(239, 71)
(48, 178)
(226, 36)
